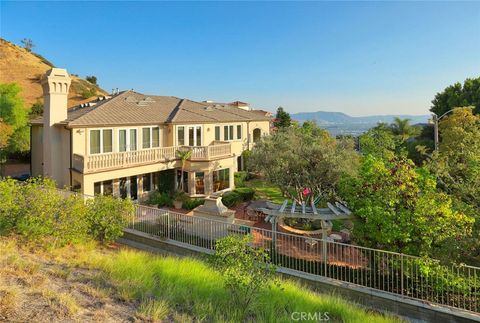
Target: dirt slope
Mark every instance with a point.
(25, 68)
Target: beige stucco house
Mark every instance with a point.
(121, 144)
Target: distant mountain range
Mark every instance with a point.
(341, 123)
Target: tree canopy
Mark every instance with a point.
(458, 95)
(282, 119)
(14, 114)
(297, 158)
(399, 207)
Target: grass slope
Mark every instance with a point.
(91, 283)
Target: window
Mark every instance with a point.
(122, 140)
(217, 132)
(150, 137)
(147, 183)
(191, 136)
(181, 136)
(221, 179)
(199, 183)
(105, 188)
(107, 141)
(133, 139)
(227, 133)
(97, 188)
(239, 131)
(156, 137)
(199, 136)
(146, 138)
(108, 188)
(127, 140)
(101, 141)
(95, 142)
(133, 188)
(185, 180)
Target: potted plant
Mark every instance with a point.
(178, 199)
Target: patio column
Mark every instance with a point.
(191, 183)
(231, 177)
(208, 182)
(116, 187)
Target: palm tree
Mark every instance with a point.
(403, 129)
(184, 155)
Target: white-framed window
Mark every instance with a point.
(101, 141)
(189, 135)
(239, 131)
(217, 132)
(150, 137)
(180, 136)
(228, 132)
(127, 139)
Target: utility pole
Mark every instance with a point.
(435, 130)
(436, 119)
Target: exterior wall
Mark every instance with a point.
(238, 145)
(37, 150)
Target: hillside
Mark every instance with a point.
(325, 117)
(25, 68)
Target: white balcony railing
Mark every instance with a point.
(100, 162)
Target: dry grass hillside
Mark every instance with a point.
(25, 68)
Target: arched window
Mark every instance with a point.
(257, 133)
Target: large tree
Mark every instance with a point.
(298, 158)
(457, 167)
(458, 95)
(379, 141)
(282, 119)
(14, 114)
(400, 209)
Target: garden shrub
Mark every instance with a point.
(246, 270)
(107, 216)
(46, 213)
(246, 193)
(9, 205)
(190, 204)
(230, 199)
(160, 199)
(240, 178)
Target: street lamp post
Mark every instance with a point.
(436, 119)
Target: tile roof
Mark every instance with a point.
(129, 108)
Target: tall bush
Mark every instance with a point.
(107, 216)
(46, 213)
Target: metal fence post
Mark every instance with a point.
(168, 225)
(401, 273)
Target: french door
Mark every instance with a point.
(127, 140)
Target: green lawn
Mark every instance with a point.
(265, 190)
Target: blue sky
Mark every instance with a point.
(360, 58)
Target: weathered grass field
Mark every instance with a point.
(91, 283)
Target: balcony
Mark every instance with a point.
(109, 161)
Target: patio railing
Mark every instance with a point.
(423, 279)
(109, 161)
